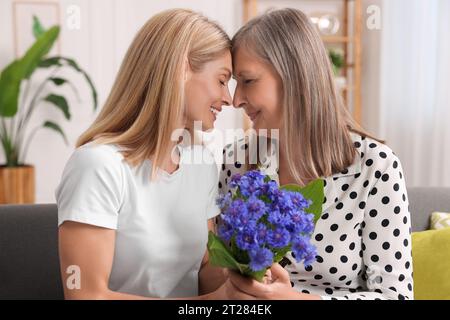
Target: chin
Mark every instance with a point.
(207, 125)
(257, 126)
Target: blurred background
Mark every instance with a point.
(391, 60)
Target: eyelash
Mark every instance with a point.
(222, 83)
(248, 81)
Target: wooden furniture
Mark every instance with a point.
(350, 41)
(17, 184)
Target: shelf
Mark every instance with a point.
(337, 39)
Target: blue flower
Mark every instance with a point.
(260, 258)
(223, 201)
(270, 190)
(251, 183)
(284, 201)
(303, 249)
(256, 207)
(261, 233)
(225, 232)
(301, 222)
(235, 213)
(299, 202)
(235, 179)
(276, 218)
(310, 257)
(256, 176)
(278, 237)
(246, 238)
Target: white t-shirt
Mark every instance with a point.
(161, 225)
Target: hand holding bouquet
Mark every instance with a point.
(261, 222)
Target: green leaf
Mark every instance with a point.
(59, 61)
(18, 70)
(38, 29)
(312, 191)
(58, 81)
(50, 62)
(60, 102)
(57, 128)
(40, 48)
(219, 254)
(337, 60)
(279, 254)
(10, 80)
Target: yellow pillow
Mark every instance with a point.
(431, 264)
(440, 220)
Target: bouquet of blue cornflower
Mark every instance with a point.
(261, 223)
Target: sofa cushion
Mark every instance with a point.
(431, 264)
(440, 220)
(29, 263)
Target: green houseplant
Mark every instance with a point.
(17, 107)
(337, 60)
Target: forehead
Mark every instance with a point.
(246, 61)
(222, 63)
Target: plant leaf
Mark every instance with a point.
(57, 128)
(40, 48)
(18, 70)
(58, 61)
(58, 81)
(312, 191)
(60, 102)
(38, 29)
(219, 254)
(10, 80)
(50, 62)
(280, 253)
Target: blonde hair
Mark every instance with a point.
(146, 102)
(316, 124)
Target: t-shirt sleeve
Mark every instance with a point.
(90, 190)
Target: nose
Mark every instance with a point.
(226, 98)
(238, 99)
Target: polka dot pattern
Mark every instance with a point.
(363, 238)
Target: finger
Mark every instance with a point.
(279, 273)
(238, 280)
(248, 285)
(234, 293)
(268, 277)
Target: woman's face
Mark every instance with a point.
(207, 90)
(258, 91)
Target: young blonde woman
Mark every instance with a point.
(133, 208)
(284, 81)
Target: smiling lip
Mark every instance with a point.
(253, 115)
(217, 111)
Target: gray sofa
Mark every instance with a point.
(29, 265)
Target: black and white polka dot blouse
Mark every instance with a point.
(363, 237)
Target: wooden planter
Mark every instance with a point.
(17, 184)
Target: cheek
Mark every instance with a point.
(197, 98)
(269, 102)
